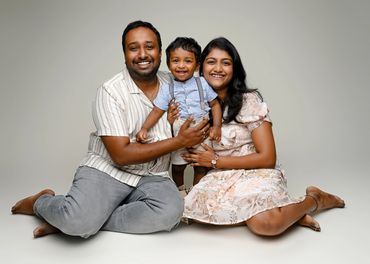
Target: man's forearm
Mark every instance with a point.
(122, 152)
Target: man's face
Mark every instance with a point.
(142, 53)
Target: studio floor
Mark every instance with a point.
(310, 60)
(344, 238)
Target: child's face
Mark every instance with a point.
(182, 64)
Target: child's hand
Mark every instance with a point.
(215, 133)
(173, 112)
(142, 135)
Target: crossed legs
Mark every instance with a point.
(96, 200)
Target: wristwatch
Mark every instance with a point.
(214, 161)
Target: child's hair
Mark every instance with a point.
(188, 44)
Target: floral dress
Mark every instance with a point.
(227, 196)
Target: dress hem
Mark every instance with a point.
(241, 221)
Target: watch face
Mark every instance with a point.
(214, 162)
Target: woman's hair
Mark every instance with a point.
(237, 86)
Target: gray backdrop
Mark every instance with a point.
(310, 60)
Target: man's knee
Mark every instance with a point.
(163, 205)
(80, 223)
(80, 229)
(171, 214)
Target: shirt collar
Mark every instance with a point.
(131, 85)
(189, 81)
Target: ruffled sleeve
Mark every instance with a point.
(253, 111)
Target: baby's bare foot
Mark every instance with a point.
(25, 206)
(310, 222)
(323, 199)
(45, 229)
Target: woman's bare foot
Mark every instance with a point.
(310, 222)
(25, 206)
(323, 199)
(45, 229)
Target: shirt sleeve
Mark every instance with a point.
(253, 112)
(210, 94)
(163, 97)
(108, 114)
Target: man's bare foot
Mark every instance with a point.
(45, 229)
(310, 222)
(25, 206)
(323, 199)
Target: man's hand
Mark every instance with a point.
(190, 136)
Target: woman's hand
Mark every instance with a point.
(200, 158)
(173, 112)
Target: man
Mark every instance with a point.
(122, 185)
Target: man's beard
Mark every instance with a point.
(140, 75)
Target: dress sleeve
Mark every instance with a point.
(253, 112)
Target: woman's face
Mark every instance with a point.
(218, 69)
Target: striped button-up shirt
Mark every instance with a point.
(120, 109)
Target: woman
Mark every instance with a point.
(246, 186)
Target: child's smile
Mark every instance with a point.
(182, 64)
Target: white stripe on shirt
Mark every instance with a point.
(120, 109)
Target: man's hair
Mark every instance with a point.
(188, 44)
(137, 24)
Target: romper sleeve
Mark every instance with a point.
(163, 98)
(210, 94)
(253, 112)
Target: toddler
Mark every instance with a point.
(194, 97)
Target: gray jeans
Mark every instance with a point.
(96, 201)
